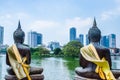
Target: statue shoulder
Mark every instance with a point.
(23, 46)
(102, 47)
(9, 49)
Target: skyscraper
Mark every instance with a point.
(112, 41)
(34, 39)
(87, 40)
(39, 38)
(53, 45)
(1, 34)
(104, 41)
(81, 38)
(72, 34)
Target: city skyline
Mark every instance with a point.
(54, 18)
(34, 39)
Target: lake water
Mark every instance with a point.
(55, 68)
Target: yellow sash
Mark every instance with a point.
(89, 53)
(17, 63)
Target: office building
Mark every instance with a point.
(112, 41)
(87, 40)
(1, 35)
(34, 39)
(104, 41)
(81, 38)
(72, 34)
(53, 45)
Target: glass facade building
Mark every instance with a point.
(1, 34)
(104, 41)
(81, 38)
(72, 34)
(34, 39)
(112, 41)
(87, 40)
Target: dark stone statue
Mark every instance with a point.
(87, 69)
(24, 51)
(94, 35)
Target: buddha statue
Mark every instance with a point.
(23, 52)
(87, 68)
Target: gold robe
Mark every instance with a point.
(20, 69)
(89, 53)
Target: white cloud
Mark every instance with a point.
(10, 23)
(109, 14)
(82, 25)
(78, 22)
(22, 15)
(42, 25)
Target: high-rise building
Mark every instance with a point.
(104, 41)
(109, 41)
(1, 34)
(39, 38)
(81, 38)
(72, 34)
(53, 45)
(34, 39)
(87, 40)
(112, 41)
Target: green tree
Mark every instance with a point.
(57, 51)
(33, 50)
(72, 48)
(39, 51)
(43, 50)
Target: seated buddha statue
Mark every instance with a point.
(18, 56)
(87, 68)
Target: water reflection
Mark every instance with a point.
(56, 68)
(2, 67)
(71, 64)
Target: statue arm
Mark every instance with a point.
(28, 57)
(83, 62)
(7, 60)
(108, 58)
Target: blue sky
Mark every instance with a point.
(53, 18)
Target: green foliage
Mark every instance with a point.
(72, 48)
(37, 52)
(35, 55)
(43, 50)
(57, 51)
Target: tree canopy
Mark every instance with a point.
(72, 48)
(39, 51)
(57, 51)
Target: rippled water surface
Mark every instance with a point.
(55, 68)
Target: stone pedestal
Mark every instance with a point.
(33, 77)
(83, 78)
(35, 74)
(82, 74)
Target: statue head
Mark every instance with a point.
(18, 35)
(94, 34)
